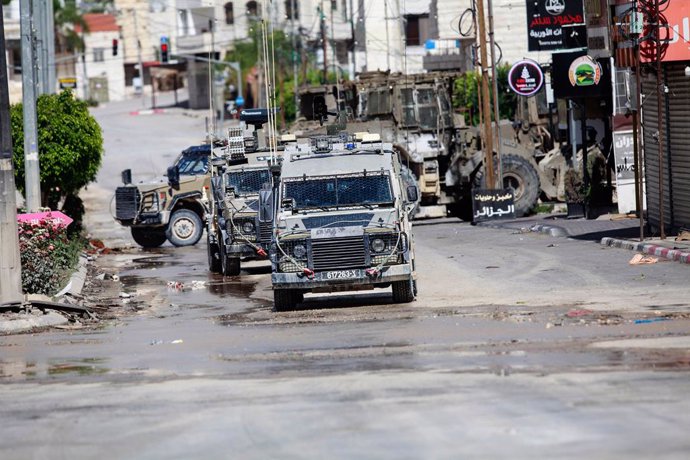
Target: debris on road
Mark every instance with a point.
(640, 259)
(651, 320)
(578, 313)
(125, 295)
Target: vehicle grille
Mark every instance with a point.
(265, 232)
(126, 203)
(338, 253)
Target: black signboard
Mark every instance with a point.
(525, 77)
(545, 21)
(492, 204)
(576, 75)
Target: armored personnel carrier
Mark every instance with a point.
(342, 220)
(239, 172)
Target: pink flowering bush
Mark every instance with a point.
(48, 256)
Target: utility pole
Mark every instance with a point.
(494, 90)
(10, 263)
(294, 55)
(141, 63)
(486, 107)
(50, 47)
(324, 43)
(388, 46)
(354, 44)
(31, 165)
(85, 83)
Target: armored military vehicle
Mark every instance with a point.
(239, 172)
(414, 113)
(172, 210)
(342, 221)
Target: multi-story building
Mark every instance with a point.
(101, 70)
(13, 49)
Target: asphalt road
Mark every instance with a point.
(520, 345)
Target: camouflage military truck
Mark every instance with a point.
(414, 113)
(239, 173)
(342, 221)
(172, 210)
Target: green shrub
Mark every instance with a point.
(47, 255)
(70, 146)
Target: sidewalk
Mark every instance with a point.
(612, 230)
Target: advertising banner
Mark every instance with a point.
(525, 77)
(545, 21)
(577, 75)
(678, 15)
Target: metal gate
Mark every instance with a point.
(675, 167)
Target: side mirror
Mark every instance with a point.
(174, 177)
(412, 193)
(230, 190)
(127, 176)
(266, 206)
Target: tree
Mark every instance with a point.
(68, 18)
(70, 146)
(466, 96)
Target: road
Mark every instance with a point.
(520, 345)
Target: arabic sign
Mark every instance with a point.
(57, 218)
(624, 154)
(545, 21)
(525, 77)
(576, 75)
(492, 204)
(678, 15)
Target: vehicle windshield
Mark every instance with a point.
(192, 165)
(249, 182)
(342, 190)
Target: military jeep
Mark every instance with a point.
(173, 210)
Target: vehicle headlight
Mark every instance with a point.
(299, 251)
(378, 245)
(248, 227)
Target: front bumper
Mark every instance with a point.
(388, 274)
(244, 251)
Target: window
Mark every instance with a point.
(98, 54)
(229, 14)
(289, 14)
(334, 5)
(416, 29)
(253, 9)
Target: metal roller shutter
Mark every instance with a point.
(679, 170)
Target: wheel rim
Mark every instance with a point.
(183, 228)
(515, 184)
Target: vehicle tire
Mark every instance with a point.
(284, 299)
(520, 176)
(213, 253)
(148, 237)
(185, 228)
(230, 266)
(403, 291)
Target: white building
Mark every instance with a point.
(101, 75)
(13, 50)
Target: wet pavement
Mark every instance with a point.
(521, 344)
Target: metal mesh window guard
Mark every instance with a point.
(334, 191)
(249, 182)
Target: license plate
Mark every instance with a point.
(342, 275)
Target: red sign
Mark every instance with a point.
(678, 15)
(57, 218)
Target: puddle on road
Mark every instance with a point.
(20, 369)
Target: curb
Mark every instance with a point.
(148, 112)
(651, 249)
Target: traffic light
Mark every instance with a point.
(164, 50)
(115, 46)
